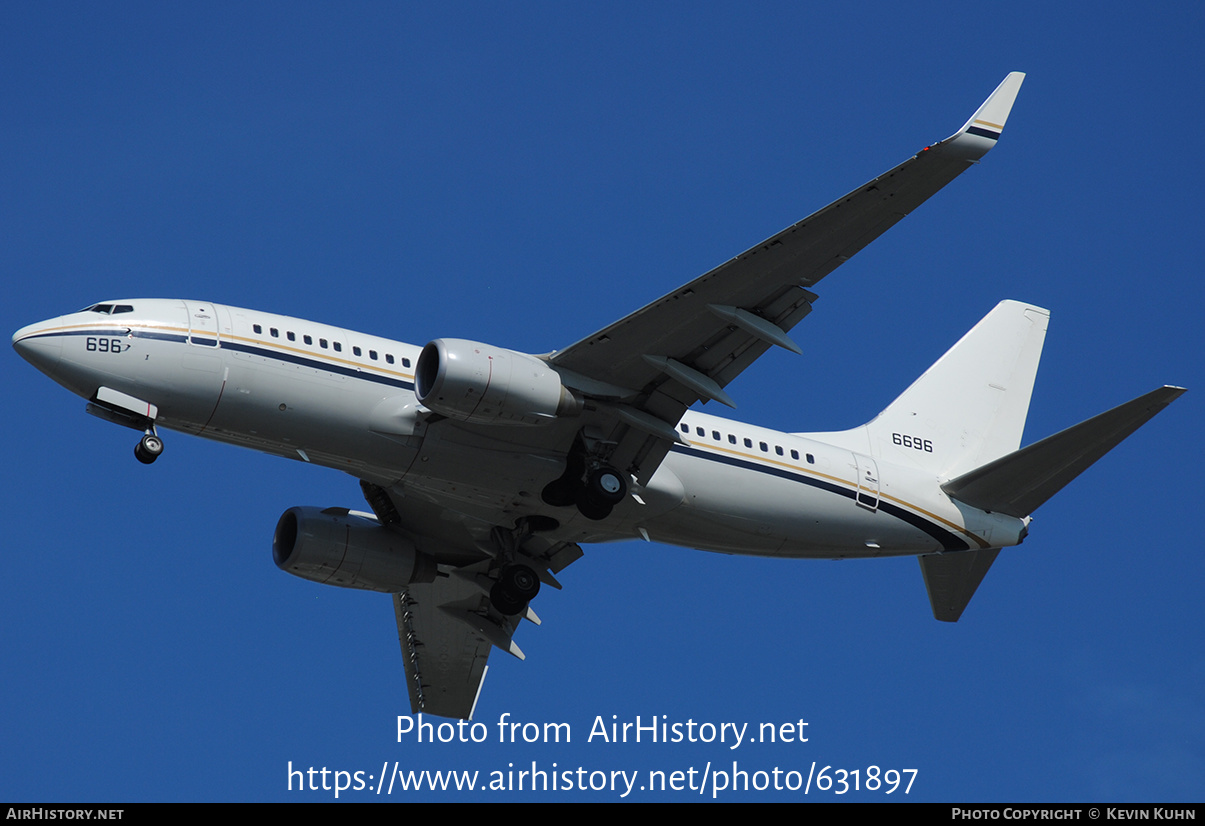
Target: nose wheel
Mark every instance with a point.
(148, 448)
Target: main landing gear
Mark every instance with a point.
(595, 487)
(604, 488)
(517, 583)
(148, 448)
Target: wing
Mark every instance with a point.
(446, 633)
(688, 345)
(446, 627)
(637, 376)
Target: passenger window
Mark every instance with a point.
(405, 362)
(355, 350)
(811, 459)
(715, 434)
(258, 329)
(389, 358)
(322, 343)
(308, 339)
(685, 428)
(748, 443)
(275, 333)
(338, 347)
(795, 454)
(778, 450)
(372, 354)
(764, 447)
(731, 439)
(291, 336)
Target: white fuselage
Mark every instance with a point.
(345, 400)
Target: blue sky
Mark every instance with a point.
(523, 175)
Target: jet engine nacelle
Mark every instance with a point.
(482, 384)
(337, 547)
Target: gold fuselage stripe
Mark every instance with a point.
(844, 483)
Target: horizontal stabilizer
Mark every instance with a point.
(951, 579)
(1018, 483)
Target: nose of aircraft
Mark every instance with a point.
(39, 346)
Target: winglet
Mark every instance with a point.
(988, 121)
(980, 133)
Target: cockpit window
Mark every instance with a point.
(109, 309)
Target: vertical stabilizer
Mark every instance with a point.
(970, 406)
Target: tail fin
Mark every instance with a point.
(970, 406)
(962, 420)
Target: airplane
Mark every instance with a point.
(485, 469)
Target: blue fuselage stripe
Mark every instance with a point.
(317, 364)
(949, 541)
(250, 349)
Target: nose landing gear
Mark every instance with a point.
(148, 448)
(134, 413)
